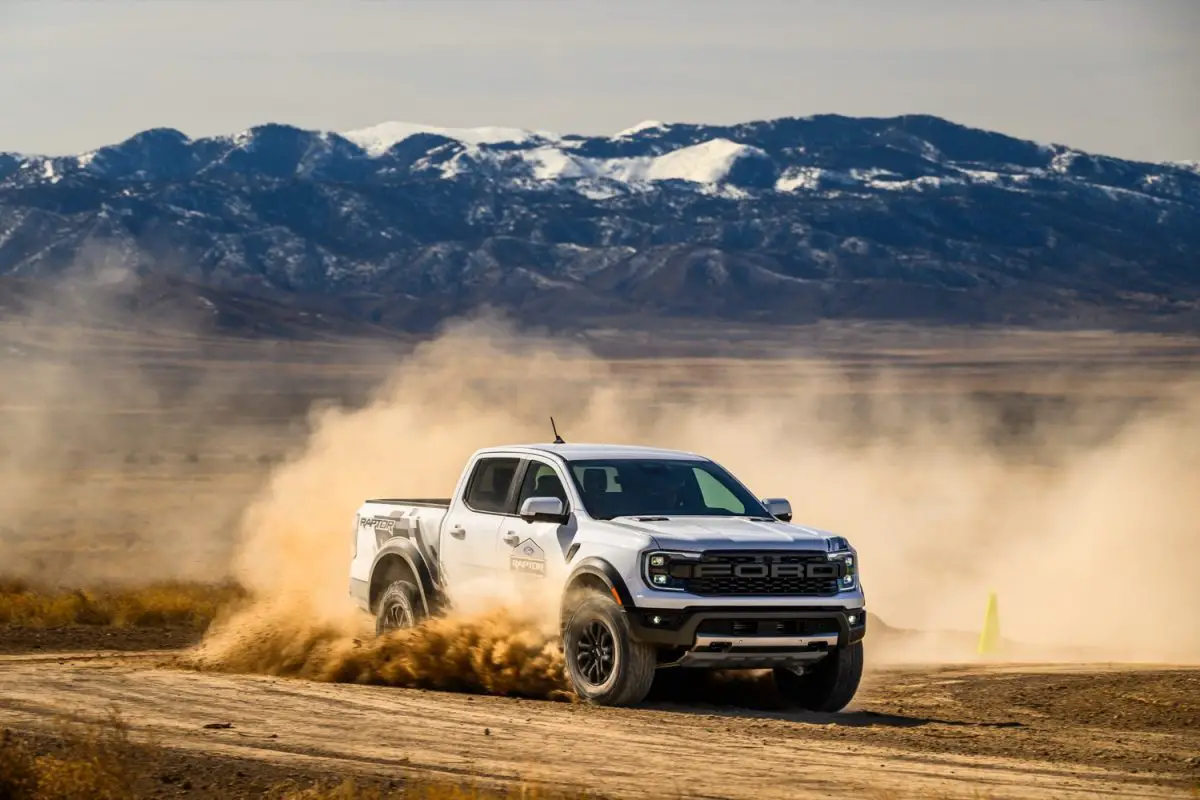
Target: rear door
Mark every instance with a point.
(471, 526)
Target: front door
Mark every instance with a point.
(533, 554)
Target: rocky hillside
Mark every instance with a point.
(789, 220)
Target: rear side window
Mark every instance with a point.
(490, 482)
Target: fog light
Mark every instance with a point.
(657, 621)
(658, 561)
(852, 619)
(659, 579)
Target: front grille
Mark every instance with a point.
(762, 585)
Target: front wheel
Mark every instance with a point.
(828, 685)
(604, 664)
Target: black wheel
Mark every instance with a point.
(604, 664)
(397, 607)
(828, 685)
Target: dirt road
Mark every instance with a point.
(937, 732)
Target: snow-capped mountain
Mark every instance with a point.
(790, 220)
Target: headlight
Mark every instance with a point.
(668, 571)
(849, 579)
(840, 550)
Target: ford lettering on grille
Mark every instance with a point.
(741, 573)
(760, 570)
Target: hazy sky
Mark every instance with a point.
(1114, 76)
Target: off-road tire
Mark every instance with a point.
(828, 685)
(630, 672)
(397, 608)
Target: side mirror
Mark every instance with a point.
(779, 508)
(543, 509)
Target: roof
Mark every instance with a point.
(578, 452)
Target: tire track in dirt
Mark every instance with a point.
(729, 753)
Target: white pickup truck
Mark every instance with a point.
(657, 559)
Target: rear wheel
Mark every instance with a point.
(604, 664)
(828, 685)
(397, 608)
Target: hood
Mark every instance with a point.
(718, 533)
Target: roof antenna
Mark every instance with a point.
(557, 439)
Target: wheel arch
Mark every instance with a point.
(398, 561)
(596, 574)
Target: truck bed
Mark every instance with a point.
(428, 502)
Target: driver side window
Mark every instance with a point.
(542, 481)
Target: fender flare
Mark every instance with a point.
(404, 549)
(606, 572)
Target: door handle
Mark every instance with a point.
(511, 539)
(458, 532)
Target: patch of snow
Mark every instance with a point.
(929, 151)
(706, 163)
(457, 165)
(1117, 193)
(1062, 161)
(645, 125)
(726, 191)
(810, 178)
(801, 178)
(85, 159)
(982, 175)
(596, 190)
(378, 139)
(551, 163)
(918, 184)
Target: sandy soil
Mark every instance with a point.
(1037, 457)
(1065, 731)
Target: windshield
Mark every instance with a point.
(661, 488)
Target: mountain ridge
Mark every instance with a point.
(793, 219)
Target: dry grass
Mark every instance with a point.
(93, 761)
(166, 604)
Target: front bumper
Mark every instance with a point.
(748, 637)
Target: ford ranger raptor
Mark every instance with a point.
(658, 559)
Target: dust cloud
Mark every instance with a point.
(1081, 516)
(84, 426)
(504, 651)
(130, 445)
(1083, 523)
